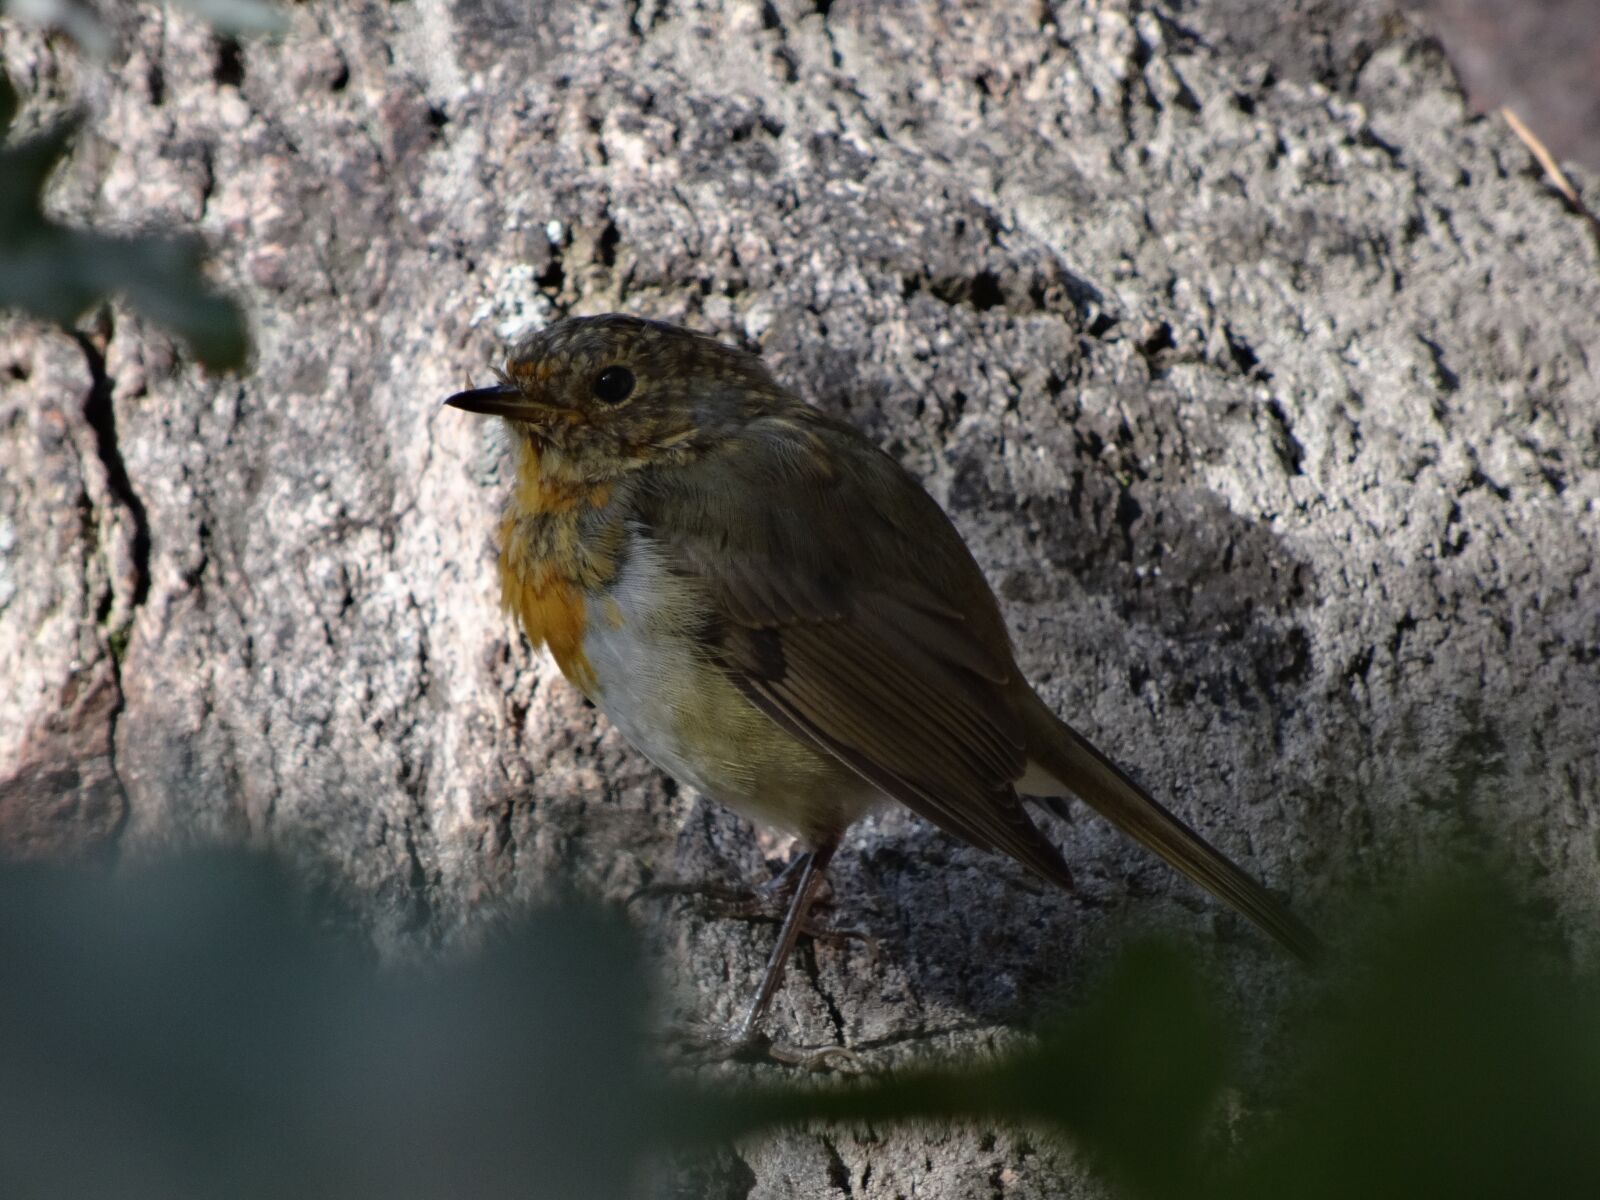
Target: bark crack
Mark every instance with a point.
(100, 414)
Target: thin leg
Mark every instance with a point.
(784, 879)
(805, 892)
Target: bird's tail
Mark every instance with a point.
(1066, 755)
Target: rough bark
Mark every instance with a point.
(1272, 416)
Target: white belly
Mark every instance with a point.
(653, 682)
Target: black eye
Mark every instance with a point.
(613, 385)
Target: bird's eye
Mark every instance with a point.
(613, 385)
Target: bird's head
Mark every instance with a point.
(613, 393)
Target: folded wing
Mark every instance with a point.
(847, 608)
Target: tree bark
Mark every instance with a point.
(1269, 409)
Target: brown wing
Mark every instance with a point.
(846, 606)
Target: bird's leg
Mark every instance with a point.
(785, 880)
(745, 1043)
(816, 862)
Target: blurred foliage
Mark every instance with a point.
(1451, 1053)
(240, 17)
(85, 23)
(196, 1029)
(1460, 1057)
(1133, 1076)
(59, 273)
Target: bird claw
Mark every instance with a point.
(756, 906)
(660, 889)
(764, 902)
(700, 1048)
(840, 1059)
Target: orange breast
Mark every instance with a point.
(542, 577)
(551, 609)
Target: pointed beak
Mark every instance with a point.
(501, 400)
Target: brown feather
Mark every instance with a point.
(887, 654)
(1099, 782)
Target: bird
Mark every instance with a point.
(776, 613)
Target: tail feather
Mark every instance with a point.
(1095, 779)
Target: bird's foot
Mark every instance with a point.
(841, 1059)
(706, 894)
(734, 1044)
(769, 896)
(766, 903)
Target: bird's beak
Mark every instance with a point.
(501, 400)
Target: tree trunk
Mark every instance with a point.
(1268, 407)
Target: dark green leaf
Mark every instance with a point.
(240, 17)
(58, 273)
(194, 1030)
(8, 102)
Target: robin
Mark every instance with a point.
(776, 613)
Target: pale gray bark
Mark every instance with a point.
(1271, 414)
